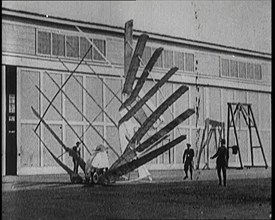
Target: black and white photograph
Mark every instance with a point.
(136, 109)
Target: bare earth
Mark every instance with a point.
(240, 199)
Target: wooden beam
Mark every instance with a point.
(134, 64)
(143, 78)
(148, 95)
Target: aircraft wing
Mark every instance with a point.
(134, 65)
(130, 166)
(142, 78)
(60, 163)
(147, 96)
(129, 153)
(155, 115)
(71, 152)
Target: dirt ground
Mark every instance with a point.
(240, 199)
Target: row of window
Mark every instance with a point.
(50, 43)
(239, 69)
(55, 44)
(169, 58)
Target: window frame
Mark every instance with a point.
(230, 69)
(185, 63)
(75, 58)
(65, 51)
(164, 58)
(180, 52)
(261, 72)
(244, 61)
(36, 43)
(93, 49)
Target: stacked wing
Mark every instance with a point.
(135, 153)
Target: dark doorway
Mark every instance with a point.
(11, 140)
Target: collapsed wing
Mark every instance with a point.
(130, 154)
(130, 160)
(71, 152)
(143, 78)
(133, 68)
(128, 167)
(60, 163)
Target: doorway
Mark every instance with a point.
(11, 118)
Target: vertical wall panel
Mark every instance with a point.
(29, 148)
(164, 93)
(115, 50)
(182, 104)
(266, 73)
(202, 107)
(92, 139)
(233, 158)
(192, 141)
(17, 38)
(252, 98)
(168, 155)
(29, 94)
(265, 111)
(244, 146)
(50, 89)
(146, 87)
(112, 109)
(240, 97)
(267, 147)
(52, 144)
(228, 96)
(95, 88)
(113, 139)
(74, 91)
(215, 104)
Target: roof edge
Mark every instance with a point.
(118, 29)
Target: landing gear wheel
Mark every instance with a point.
(95, 178)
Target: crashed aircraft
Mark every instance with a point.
(136, 152)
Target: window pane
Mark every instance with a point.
(258, 72)
(189, 60)
(242, 69)
(146, 55)
(250, 71)
(179, 60)
(72, 46)
(168, 59)
(225, 67)
(44, 42)
(159, 62)
(84, 47)
(233, 68)
(58, 44)
(100, 44)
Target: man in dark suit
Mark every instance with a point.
(76, 149)
(222, 162)
(188, 160)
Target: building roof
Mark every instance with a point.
(120, 30)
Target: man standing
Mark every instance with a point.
(188, 154)
(222, 160)
(76, 149)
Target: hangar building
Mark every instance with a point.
(35, 47)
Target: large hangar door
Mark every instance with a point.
(11, 136)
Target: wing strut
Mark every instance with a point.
(142, 78)
(128, 167)
(147, 96)
(71, 152)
